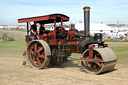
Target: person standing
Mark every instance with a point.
(42, 29)
(33, 30)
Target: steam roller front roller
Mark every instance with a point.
(103, 59)
(38, 54)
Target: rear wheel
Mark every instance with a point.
(38, 54)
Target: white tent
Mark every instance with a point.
(94, 27)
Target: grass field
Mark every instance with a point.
(17, 46)
(121, 50)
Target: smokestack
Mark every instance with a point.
(86, 21)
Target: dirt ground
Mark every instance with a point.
(12, 72)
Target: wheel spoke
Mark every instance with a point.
(97, 62)
(41, 56)
(40, 49)
(31, 52)
(32, 47)
(33, 59)
(39, 63)
(35, 48)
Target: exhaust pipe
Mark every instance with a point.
(86, 21)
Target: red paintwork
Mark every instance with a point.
(90, 47)
(70, 46)
(44, 37)
(74, 44)
(45, 19)
(33, 19)
(90, 62)
(37, 60)
(70, 33)
(50, 34)
(27, 41)
(54, 32)
(53, 42)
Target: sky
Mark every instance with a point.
(106, 11)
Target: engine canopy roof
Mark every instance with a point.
(45, 19)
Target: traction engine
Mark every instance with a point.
(54, 47)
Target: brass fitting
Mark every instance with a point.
(86, 8)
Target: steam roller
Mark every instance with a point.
(55, 46)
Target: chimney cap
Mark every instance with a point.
(87, 8)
